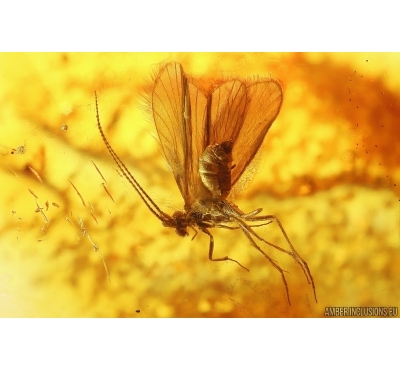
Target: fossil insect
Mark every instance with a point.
(209, 135)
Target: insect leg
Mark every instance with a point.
(211, 250)
(247, 231)
(195, 232)
(226, 227)
(252, 213)
(237, 227)
(293, 252)
(267, 223)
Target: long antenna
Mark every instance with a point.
(145, 197)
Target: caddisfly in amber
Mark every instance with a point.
(209, 135)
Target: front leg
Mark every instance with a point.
(211, 250)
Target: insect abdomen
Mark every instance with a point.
(215, 165)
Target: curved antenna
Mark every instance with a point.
(162, 216)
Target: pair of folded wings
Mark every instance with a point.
(189, 118)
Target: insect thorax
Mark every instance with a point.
(204, 213)
(213, 211)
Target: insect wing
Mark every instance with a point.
(168, 111)
(187, 122)
(227, 112)
(264, 100)
(179, 111)
(215, 119)
(199, 138)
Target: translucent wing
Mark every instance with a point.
(198, 115)
(263, 102)
(179, 111)
(188, 121)
(213, 124)
(168, 111)
(227, 111)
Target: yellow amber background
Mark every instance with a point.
(329, 169)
